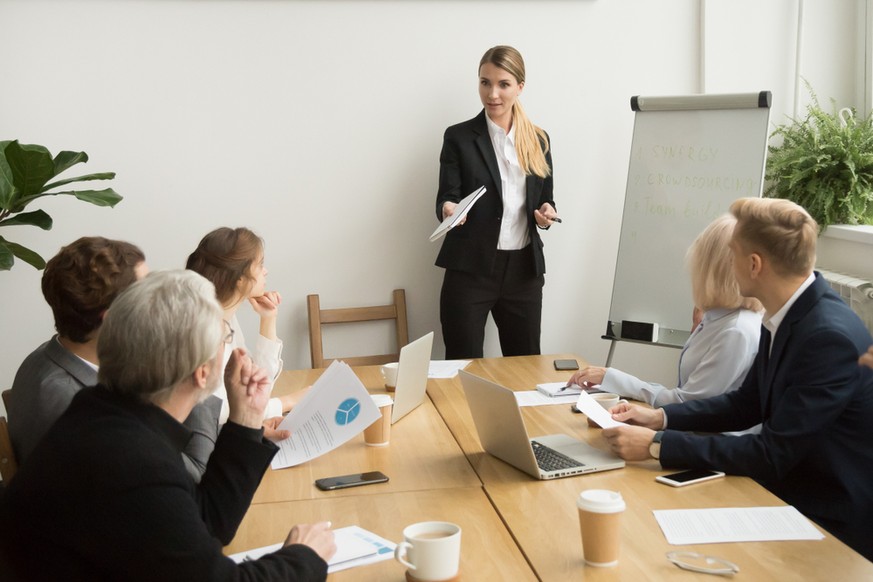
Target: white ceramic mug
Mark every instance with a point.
(431, 550)
(389, 373)
(607, 400)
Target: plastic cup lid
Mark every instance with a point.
(600, 501)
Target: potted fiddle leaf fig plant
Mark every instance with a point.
(27, 173)
(825, 164)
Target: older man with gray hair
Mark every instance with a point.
(105, 495)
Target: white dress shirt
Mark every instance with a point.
(267, 355)
(514, 233)
(715, 359)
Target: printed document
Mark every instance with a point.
(461, 211)
(445, 368)
(735, 524)
(336, 409)
(355, 546)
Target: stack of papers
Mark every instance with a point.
(355, 546)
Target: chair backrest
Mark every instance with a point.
(7, 398)
(319, 317)
(8, 463)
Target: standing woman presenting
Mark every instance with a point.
(494, 261)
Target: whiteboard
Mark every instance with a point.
(690, 158)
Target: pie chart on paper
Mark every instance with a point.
(347, 411)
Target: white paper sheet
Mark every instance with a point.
(592, 409)
(336, 409)
(445, 368)
(735, 524)
(355, 546)
(536, 398)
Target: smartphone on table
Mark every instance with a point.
(353, 480)
(683, 478)
(566, 365)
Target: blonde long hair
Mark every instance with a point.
(711, 263)
(531, 142)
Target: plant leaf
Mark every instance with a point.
(36, 218)
(107, 197)
(31, 166)
(9, 248)
(7, 259)
(65, 160)
(85, 178)
(7, 188)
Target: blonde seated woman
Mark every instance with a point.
(727, 327)
(233, 260)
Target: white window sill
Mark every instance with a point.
(860, 234)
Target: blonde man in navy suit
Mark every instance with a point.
(815, 403)
(494, 261)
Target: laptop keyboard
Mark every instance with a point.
(551, 460)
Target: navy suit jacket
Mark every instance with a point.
(468, 161)
(815, 449)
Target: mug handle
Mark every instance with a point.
(400, 553)
(621, 401)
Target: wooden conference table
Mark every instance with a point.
(514, 527)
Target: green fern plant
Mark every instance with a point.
(825, 164)
(26, 172)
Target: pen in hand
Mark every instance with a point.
(556, 219)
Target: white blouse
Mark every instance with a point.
(715, 359)
(267, 355)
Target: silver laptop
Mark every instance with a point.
(502, 433)
(412, 376)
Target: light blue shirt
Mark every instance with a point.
(715, 359)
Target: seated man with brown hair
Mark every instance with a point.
(79, 284)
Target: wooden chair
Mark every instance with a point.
(7, 398)
(8, 463)
(319, 317)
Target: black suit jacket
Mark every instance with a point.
(468, 161)
(105, 496)
(815, 449)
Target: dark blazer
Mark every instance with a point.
(42, 390)
(468, 161)
(815, 449)
(50, 377)
(105, 496)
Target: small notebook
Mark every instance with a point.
(461, 211)
(558, 389)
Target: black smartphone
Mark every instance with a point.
(688, 477)
(354, 480)
(566, 365)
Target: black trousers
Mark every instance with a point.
(512, 293)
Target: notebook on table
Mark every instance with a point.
(502, 433)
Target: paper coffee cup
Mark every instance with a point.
(379, 433)
(389, 373)
(431, 550)
(600, 521)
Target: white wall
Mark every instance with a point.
(319, 124)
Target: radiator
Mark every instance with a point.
(857, 293)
